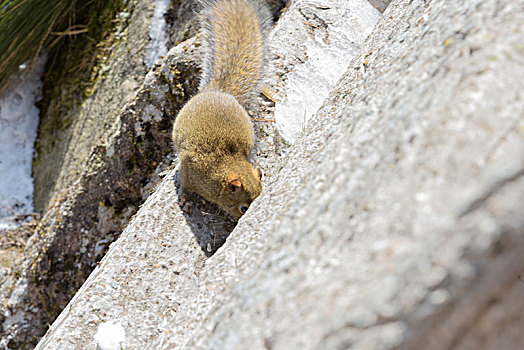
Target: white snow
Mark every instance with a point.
(328, 53)
(18, 125)
(110, 335)
(158, 33)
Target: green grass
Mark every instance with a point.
(29, 26)
(76, 35)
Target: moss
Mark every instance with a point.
(75, 64)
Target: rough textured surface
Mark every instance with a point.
(395, 221)
(181, 18)
(90, 214)
(108, 164)
(63, 146)
(380, 5)
(313, 44)
(140, 280)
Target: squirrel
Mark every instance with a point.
(213, 133)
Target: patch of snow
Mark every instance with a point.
(18, 291)
(110, 335)
(328, 51)
(158, 33)
(18, 126)
(13, 320)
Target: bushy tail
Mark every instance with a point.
(234, 33)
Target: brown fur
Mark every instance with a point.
(213, 133)
(233, 37)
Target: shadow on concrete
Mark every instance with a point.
(210, 225)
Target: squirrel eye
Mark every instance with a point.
(244, 208)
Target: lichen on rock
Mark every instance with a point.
(394, 221)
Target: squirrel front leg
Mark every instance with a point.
(185, 187)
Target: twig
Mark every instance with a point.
(76, 29)
(11, 210)
(269, 93)
(264, 120)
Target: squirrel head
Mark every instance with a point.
(240, 189)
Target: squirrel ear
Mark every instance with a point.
(234, 183)
(257, 173)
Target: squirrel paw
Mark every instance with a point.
(185, 203)
(187, 207)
